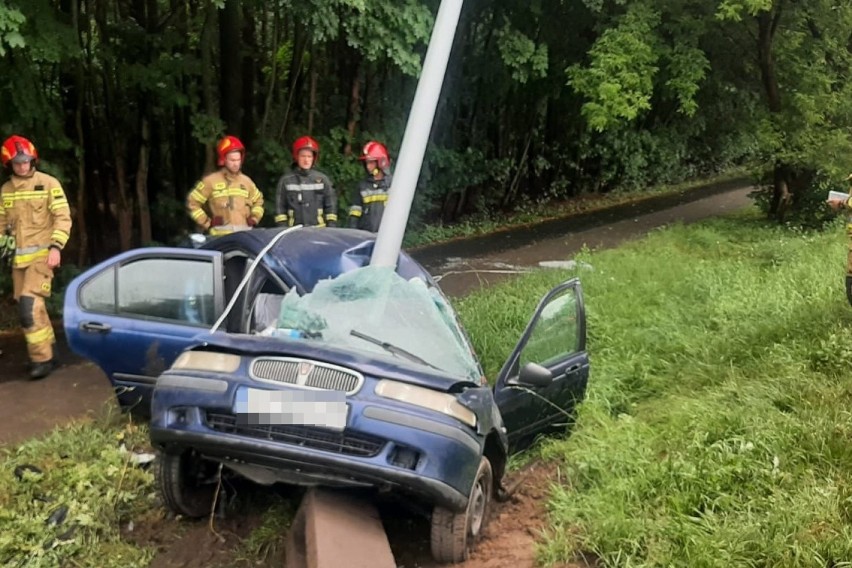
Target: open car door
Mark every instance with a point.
(547, 373)
(133, 314)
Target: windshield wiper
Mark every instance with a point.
(393, 349)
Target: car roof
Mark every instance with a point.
(307, 255)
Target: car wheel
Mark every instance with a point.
(187, 484)
(454, 534)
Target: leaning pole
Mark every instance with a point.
(416, 137)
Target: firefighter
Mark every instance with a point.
(845, 204)
(36, 223)
(371, 195)
(226, 200)
(305, 196)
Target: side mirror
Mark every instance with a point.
(534, 375)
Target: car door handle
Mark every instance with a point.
(573, 369)
(96, 327)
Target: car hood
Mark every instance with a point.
(367, 363)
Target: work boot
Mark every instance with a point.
(43, 369)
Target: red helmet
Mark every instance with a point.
(18, 149)
(227, 145)
(376, 151)
(305, 142)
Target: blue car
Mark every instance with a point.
(284, 357)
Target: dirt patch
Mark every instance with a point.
(510, 537)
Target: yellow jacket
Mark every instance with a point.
(232, 200)
(35, 210)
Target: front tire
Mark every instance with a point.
(187, 484)
(454, 534)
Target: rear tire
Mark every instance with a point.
(455, 534)
(187, 484)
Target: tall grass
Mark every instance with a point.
(717, 427)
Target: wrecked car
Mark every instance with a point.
(282, 356)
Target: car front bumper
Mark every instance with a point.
(442, 456)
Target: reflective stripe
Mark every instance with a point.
(22, 258)
(25, 195)
(198, 197)
(280, 218)
(378, 198)
(59, 205)
(257, 210)
(355, 211)
(320, 220)
(40, 336)
(305, 187)
(231, 192)
(59, 236)
(331, 217)
(196, 215)
(227, 229)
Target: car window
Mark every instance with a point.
(185, 296)
(555, 333)
(98, 293)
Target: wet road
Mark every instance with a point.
(465, 266)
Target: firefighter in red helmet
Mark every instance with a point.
(371, 195)
(226, 200)
(35, 220)
(305, 196)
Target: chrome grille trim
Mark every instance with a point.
(290, 371)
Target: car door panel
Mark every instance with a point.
(555, 339)
(133, 314)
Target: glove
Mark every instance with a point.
(849, 288)
(217, 221)
(251, 221)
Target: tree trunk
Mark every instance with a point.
(230, 47)
(248, 69)
(142, 181)
(207, 81)
(354, 112)
(767, 23)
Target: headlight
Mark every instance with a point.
(207, 361)
(427, 398)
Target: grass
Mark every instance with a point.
(85, 469)
(717, 427)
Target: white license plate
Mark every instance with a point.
(326, 409)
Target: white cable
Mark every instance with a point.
(248, 274)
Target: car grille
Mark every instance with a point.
(347, 443)
(302, 372)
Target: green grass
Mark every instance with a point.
(717, 427)
(87, 468)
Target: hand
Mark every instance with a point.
(217, 221)
(251, 221)
(836, 203)
(54, 258)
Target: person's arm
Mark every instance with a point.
(281, 201)
(60, 214)
(256, 201)
(330, 204)
(356, 210)
(195, 205)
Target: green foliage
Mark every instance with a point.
(716, 430)
(619, 80)
(88, 469)
(11, 20)
(521, 54)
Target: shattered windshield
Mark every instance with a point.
(373, 309)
